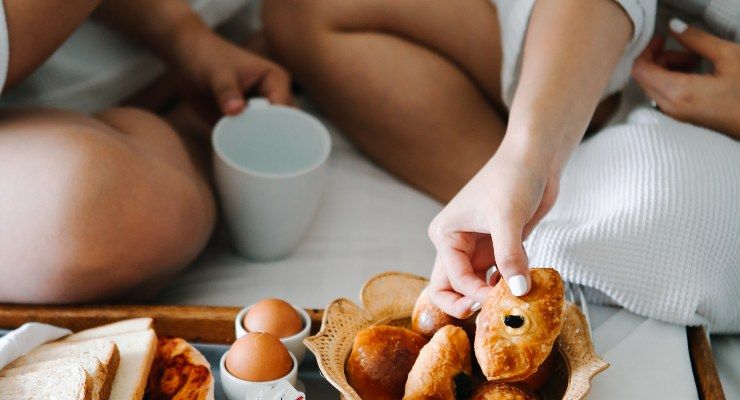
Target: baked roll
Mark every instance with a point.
(443, 370)
(500, 391)
(426, 319)
(514, 335)
(380, 361)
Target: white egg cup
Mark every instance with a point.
(236, 388)
(293, 343)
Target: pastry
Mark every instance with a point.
(179, 371)
(380, 361)
(443, 370)
(514, 335)
(500, 391)
(427, 318)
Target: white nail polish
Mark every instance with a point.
(475, 307)
(677, 25)
(518, 285)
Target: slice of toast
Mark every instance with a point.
(137, 353)
(137, 344)
(97, 371)
(69, 382)
(116, 328)
(105, 350)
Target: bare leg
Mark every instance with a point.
(414, 83)
(95, 208)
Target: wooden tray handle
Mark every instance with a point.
(204, 324)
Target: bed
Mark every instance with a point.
(368, 223)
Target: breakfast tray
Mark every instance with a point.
(211, 329)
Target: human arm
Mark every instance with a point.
(210, 66)
(36, 28)
(570, 52)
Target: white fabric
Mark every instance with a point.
(726, 351)
(29, 336)
(368, 222)
(4, 47)
(648, 214)
(648, 358)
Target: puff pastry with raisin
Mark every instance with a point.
(514, 335)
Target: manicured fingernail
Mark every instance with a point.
(677, 25)
(475, 307)
(518, 285)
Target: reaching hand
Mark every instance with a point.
(484, 225)
(710, 100)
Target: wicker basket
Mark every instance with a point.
(389, 298)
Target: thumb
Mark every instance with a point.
(697, 40)
(511, 260)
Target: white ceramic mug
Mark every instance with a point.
(270, 168)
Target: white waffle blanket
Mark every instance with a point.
(649, 214)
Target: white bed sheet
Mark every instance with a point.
(368, 223)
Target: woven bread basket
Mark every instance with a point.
(388, 299)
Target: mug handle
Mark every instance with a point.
(258, 103)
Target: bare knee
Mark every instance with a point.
(291, 26)
(88, 218)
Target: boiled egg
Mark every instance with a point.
(273, 316)
(258, 357)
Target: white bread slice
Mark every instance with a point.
(97, 371)
(137, 354)
(104, 350)
(116, 328)
(69, 382)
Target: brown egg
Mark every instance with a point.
(273, 316)
(258, 357)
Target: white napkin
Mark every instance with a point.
(26, 338)
(283, 390)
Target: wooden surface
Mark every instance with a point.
(702, 362)
(193, 323)
(216, 325)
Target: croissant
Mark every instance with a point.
(443, 369)
(514, 335)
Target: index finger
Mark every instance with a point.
(276, 87)
(441, 294)
(455, 253)
(697, 40)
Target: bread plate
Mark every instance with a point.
(388, 299)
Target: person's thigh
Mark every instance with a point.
(95, 208)
(414, 110)
(464, 32)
